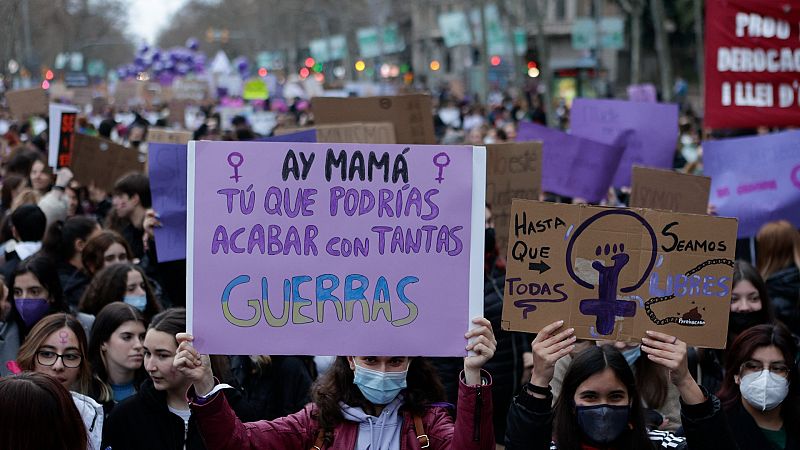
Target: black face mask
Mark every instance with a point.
(740, 321)
(603, 424)
(489, 240)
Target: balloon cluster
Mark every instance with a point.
(242, 66)
(165, 65)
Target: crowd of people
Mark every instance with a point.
(93, 346)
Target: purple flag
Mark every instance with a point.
(573, 166)
(648, 131)
(353, 249)
(167, 165)
(755, 179)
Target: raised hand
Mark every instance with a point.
(483, 345)
(193, 365)
(549, 346)
(670, 352)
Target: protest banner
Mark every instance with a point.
(614, 273)
(410, 114)
(752, 64)
(513, 170)
(24, 103)
(669, 190)
(189, 89)
(292, 135)
(573, 166)
(167, 172)
(305, 248)
(60, 135)
(355, 132)
(756, 179)
(165, 135)
(642, 93)
(648, 131)
(101, 162)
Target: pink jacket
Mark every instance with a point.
(222, 430)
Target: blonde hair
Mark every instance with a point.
(778, 247)
(26, 357)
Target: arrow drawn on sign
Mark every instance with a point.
(541, 266)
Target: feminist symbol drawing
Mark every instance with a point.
(235, 160)
(606, 306)
(441, 160)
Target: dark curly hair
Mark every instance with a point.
(424, 388)
(109, 286)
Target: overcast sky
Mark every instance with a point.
(147, 17)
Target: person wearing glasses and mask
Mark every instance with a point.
(56, 346)
(759, 402)
(362, 402)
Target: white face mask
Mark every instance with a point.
(764, 390)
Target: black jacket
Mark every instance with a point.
(783, 288)
(709, 426)
(73, 283)
(278, 390)
(143, 421)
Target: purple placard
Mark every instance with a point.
(642, 93)
(167, 166)
(755, 179)
(649, 131)
(291, 266)
(299, 136)
(573, 166)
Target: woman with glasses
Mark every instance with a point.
(56, 346)
(760, 396)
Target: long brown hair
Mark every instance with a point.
(424, 388)
(652, 382)
(37, 412)
(742, 350)
(26, 357)
(778, 247)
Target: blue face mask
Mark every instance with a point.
(632, 354)
(380, 388)
(137, 301)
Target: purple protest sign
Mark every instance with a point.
(299, 136)
(756, 179)
(642, 93)
(167, 167)
(648, 131)
(354, 249)
(573, 166)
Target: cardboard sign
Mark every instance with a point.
(24, 103)
(756, 179)
(129, 92)
(360, 133)
(334, 255)
(752, 64)
(573, 166)
(101, 162)
(614, 273)
(167, 172)
(177, 112)
(669, 190)
(60, 133)
(411, 114)
(648, 131)
(512, 171)
(292, 135)
(169, 136)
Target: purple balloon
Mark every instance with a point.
(182, 68)
(192, 44)
(156, 56)
(143, 49)
(158, 66)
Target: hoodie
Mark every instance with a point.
(377, 433)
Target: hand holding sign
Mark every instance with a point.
(193, 365)
(550, 345)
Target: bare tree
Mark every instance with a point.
(634, 9)
(662, 48)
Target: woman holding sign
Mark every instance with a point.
(375, 402)
(599, 404)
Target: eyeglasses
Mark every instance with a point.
(756, 366)
(48, 358)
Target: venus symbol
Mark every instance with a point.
(235, 159)
(441, 160)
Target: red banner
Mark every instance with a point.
(752, 63)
